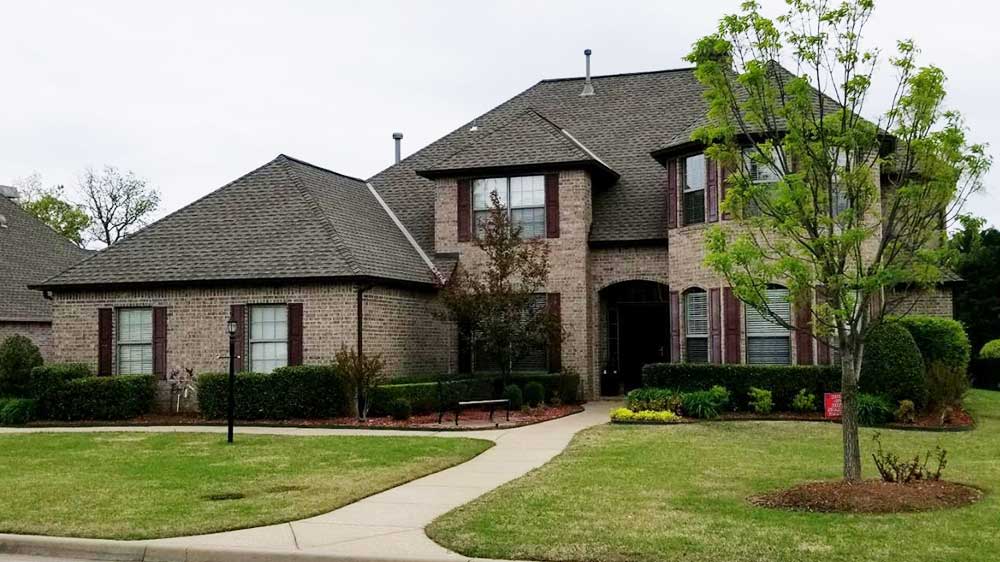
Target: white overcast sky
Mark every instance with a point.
(194, 94)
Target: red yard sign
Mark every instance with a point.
(831, 404)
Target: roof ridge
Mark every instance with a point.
(406, 234)
(321, 168)
(307, 195)
(618, 75)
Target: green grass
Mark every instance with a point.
(148, 485)
(662, 493)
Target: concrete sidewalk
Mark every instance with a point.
(386, 526)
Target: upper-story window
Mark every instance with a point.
(767, 340)
(135, 341)
(522, 196)
(696, 326)
(694, 189)
(760, 172)
(268, 337)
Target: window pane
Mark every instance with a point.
(769, 350)
(269, 322)
(694, 207)
(759, 172)
(531, 221)
(267, 356)
(694, 172)
(479, 220)
(528, 191)
(135, 325)
(697, 350)
(696, 313)
(759, 324)
(481, 192)
(135, 359)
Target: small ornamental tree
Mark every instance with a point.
(823, 219)
(365, 372)
(494, 303)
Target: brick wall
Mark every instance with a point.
(934, 302)
(38, 332)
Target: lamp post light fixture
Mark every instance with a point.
(231, 330)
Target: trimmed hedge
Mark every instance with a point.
(425, 397)
(100, 398)
(565, 386)
(892, 365)
(18, 356)
(940, 340)
(16, 411)
(303, 391)
(784, 381)
(48, 379)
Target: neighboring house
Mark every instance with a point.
(30, 252)
(602, 169)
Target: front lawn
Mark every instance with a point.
(660, 493)
(149, 485)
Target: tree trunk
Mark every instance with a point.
(850, 369)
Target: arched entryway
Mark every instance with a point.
(635, 331)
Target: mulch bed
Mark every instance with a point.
(957, 420)
(470, 419)
(870, 496)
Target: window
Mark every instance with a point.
(696, 326)
(694, 189)
(768, 341)
(523, 197)
(534, 360)
(135, 341)
(841, 201)
(268, 338)
(759, 172)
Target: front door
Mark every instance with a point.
(643, 339)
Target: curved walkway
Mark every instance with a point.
(386, 526)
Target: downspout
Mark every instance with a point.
(362, 289)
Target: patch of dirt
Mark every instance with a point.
(870, 496)
(956, 419)
(224, 496)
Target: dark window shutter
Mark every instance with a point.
(237, 312)
(711, 190)
(464, 210)
(731, 306)
(675, 327)
(552, 205)
(672, 194)
(105, 345)
(803, 332)
(295, 333)
(723, 179)
(554, 305)
(714, 326)
(160, 341)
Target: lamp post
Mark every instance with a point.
(231, 330)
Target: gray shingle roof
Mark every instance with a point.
(285, 220)
(628, 117)
(30, 252)
(528, 139)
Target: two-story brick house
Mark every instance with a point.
(308, 260)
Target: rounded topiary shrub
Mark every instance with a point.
(991, 350)
(534, 394)
(18, 356)
(940, 340)
(513, 393)
(892, 365)
(400, 409)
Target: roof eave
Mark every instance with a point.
(596, 168)
(251, 281)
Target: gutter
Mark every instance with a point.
(361, 290)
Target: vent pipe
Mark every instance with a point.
(588, 88)
(398, 137)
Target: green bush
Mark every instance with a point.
(705, 404)
(784, 381)
(18, 356)
(654, 399)
(624, 415)
(534, 394)
(760, 401)
(946, 386)
(990, 350)
(892, 365)
(429, 397)
(48, 379)
(874, 409)
(16, 411)
(804, 402)
(101, 398)
(940, 340)
(401, 409)
(513, 393)
(564, 385)
(906, 412)
(304, 391)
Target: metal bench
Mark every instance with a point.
(491, 403)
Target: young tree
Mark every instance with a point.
(365, 372)
(822, 221)
(496, 305)
(117, 203)
(50, 206)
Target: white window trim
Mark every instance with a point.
(774, 331)
(251, 340)
(689, 334)
(509, 206)
(704, 174)
(119, 344)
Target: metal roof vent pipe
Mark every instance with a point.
(398, 137)
(588, 88)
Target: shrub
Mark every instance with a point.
(624, 415)
(16, 411)
(874, 409)
(892, 365)
(364, 372)
(564, 385)
(705, 404)
(401, 409)
(760, 401)
(47, 379)
(939, 340)
(428, 397)
(534, 394)
(655, 399)
(892, 469)
(784, 381)
(18, 356)
(990, 350)
(513, 393)
(946, 386)
(906, 412)
(304, 391)
(804, 402)
(101, 398)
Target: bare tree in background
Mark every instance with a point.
(118, 203)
